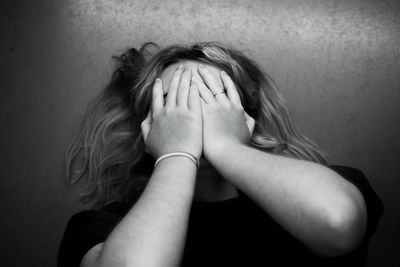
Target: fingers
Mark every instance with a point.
(204, 92)
(183, 89)
(158, 98)
(212, 84)
(194, 99)
(145, 125)
(145, 128)
(250, 123)
(209, 79)
(230, 87)
(173, 88)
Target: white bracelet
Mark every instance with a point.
(173, 154)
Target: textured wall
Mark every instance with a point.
(337, 63)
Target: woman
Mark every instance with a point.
(190, 159)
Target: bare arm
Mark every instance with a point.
(312, 202)
(153, 232)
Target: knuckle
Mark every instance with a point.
(212, 106)
(168, 110)
(193, 115)
(181, 110)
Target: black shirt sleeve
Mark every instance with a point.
(86, 229)
(373, 203)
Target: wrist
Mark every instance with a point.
(221, 151)
(179, 157)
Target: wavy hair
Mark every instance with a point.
(107, 157)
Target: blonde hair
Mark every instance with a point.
(107, 157)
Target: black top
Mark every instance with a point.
(234, 232)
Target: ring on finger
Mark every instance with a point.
(219, 92)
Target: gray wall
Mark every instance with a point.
(337, 63)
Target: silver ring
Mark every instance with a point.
(219, 92)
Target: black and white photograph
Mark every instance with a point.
(215, 133)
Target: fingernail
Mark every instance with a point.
(158, 80)
(201, 66)
(180, 67)
(223, 72)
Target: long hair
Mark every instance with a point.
(107, 157)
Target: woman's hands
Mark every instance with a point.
(192, 119)
(224, 120)
(177, 124)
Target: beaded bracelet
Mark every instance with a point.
(173, 154)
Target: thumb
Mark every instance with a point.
(145, 128)
(250, 123)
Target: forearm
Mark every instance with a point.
(153, 232)
(312, 202)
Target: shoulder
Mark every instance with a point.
(373, 202)
(348, 172)
(86, 229)
(96, 218)
(356, 177)
(108, 212)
